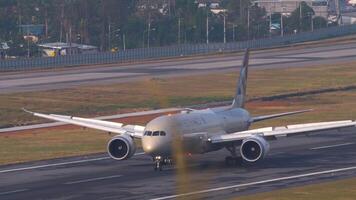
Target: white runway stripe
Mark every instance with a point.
(12, 192)
(332, 146)
(58, 164)
(256, 183)
(92, 179)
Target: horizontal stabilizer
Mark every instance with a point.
(265, 117)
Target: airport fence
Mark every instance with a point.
(132, 55)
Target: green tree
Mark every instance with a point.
(299, 22)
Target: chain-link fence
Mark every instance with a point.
(132, 55)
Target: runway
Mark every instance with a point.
(330, 53)
(292, 162)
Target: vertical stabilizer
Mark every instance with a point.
(240, 96)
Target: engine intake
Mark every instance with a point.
(121, 147)
(254, 148)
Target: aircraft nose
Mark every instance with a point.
(154, 146)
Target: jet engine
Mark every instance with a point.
(121, 147)
(254, 148)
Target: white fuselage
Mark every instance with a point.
(193, 128)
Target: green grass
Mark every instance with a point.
(50, 143)
(158, 93)
(154, 93)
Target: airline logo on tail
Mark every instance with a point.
(239, 100)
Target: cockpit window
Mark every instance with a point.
(154, 133)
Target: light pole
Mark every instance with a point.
(179, 30)
(207, 28)
(270, 25)
(300, 16)
(282, 28)
(248, 22)
(311, 21)
(124, 41)
(28, 42)
(109, 36)
(224, 28)
(148, 36)
(233, 32)
(282, 24)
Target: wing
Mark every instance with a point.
(135, 131)
(275, 132)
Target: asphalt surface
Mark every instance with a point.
(331, 53)
(296, 161)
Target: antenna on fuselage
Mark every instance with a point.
(240, 96)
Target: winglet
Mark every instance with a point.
(240, 96)
(24, 109)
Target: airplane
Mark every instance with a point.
(200, 131)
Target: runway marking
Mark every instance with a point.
(92, 179)
(255, 183)
(12, 192)
(59, 164)
(332, 146)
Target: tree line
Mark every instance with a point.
(112, 24)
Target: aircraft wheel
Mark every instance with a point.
(158, 166)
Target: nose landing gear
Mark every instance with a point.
(159, 162)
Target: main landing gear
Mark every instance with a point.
(159, 162)
(233, 160)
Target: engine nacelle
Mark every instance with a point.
(121, 147)
(254, 148)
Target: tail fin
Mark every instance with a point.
(239, 100)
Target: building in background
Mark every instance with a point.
(286, 7)
(162, 6)
(351, 2)
(349, 18)
(213, 4)
(3, 50)
(61, 49)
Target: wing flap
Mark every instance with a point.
(91, 121)
(112, 127)
(291, 130)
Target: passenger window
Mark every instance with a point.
(162, 133)
(149, 133)
(156, 133)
